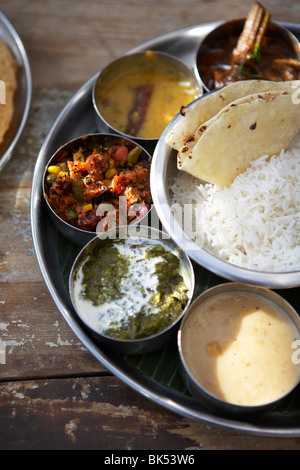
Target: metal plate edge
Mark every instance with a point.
(158, 393)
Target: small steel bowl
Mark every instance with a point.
(149, 343)
(141, 61)
(205, 397)
(74, 234)
(232, 29)
(163, 171)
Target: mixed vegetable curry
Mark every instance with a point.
(86, 184)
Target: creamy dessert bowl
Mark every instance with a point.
(238, 349)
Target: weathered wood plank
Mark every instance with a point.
(38, 341)
(100, 413)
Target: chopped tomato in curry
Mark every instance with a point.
(86, 177)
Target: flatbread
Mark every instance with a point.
(248, 128)
(8, 75)
(185, 151)
(194, 116)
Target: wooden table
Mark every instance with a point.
(53, 393)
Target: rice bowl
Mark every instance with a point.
(255, 222)
(187, 231)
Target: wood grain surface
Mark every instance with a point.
(53, 393)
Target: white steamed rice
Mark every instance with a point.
(254, 223)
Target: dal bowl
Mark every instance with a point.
(138, 94)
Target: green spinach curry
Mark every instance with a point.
(131, 289)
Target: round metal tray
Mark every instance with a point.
(23, 93)
(154, 375)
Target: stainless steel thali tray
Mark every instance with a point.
(154, 375)
(23, 93)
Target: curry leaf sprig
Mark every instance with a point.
(255, 55)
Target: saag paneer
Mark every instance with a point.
(130, 290)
